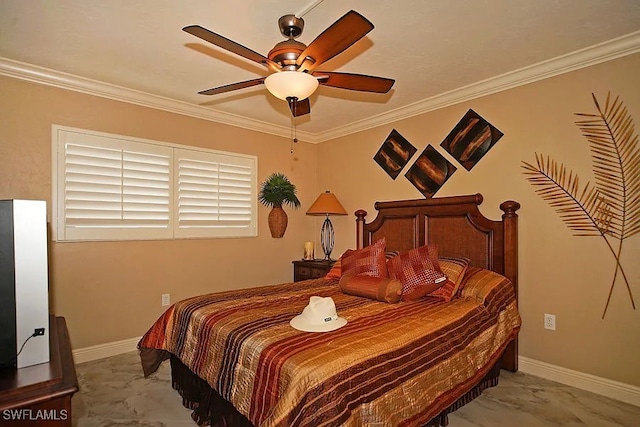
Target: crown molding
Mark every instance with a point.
(62, 80)
(596, 54)
(607, 51)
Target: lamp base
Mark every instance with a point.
(327, 238)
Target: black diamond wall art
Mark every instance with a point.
(394, 154)
(430, 171)
(471, 139)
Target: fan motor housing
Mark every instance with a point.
(286, 52)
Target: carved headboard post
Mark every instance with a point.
(510, 226)
(360, 215)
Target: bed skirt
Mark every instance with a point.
(209, 408)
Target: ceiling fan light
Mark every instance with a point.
(291, 84)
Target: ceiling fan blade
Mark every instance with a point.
(334, 40)
(232, 86)
(230, 45)
(358, 82)
(299, 108)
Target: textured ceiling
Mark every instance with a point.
(429, 47)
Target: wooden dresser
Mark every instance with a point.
(40, 395)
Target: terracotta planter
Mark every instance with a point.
(278, 222)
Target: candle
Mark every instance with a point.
(308, 250)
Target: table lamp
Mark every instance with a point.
(326, 204)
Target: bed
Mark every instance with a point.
(236, 361)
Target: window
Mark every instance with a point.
(215, 192)
(111, 187)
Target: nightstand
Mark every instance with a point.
(303, 269)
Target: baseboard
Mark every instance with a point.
(101, 351)
(616, 390)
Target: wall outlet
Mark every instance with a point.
(166, 300)
(550, 321)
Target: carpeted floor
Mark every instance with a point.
(113, 392)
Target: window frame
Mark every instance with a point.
(246, 210)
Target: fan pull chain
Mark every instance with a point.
(294, 129)
(293, 125)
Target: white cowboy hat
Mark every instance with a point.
(318, 316)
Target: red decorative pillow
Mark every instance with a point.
(418, 271)
(369, 260)
(336, 269)
(335, 272)
(378, 288)
(454, 268)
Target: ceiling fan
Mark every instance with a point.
(293, 64)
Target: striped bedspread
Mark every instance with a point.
(392, 364)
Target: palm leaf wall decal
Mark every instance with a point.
(616, 161)
(611, 208)
(578, 209)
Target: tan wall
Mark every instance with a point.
(110, 291)
(560, 274)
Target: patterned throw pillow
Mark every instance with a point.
(381, 289)
(369, 260)
(336, 269)
(454, 268)
(418, 271)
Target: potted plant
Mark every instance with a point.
(276, 191)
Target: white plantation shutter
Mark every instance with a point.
(115, 188)
(108, 187)
(215, 192)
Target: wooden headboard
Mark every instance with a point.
(456, 225)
